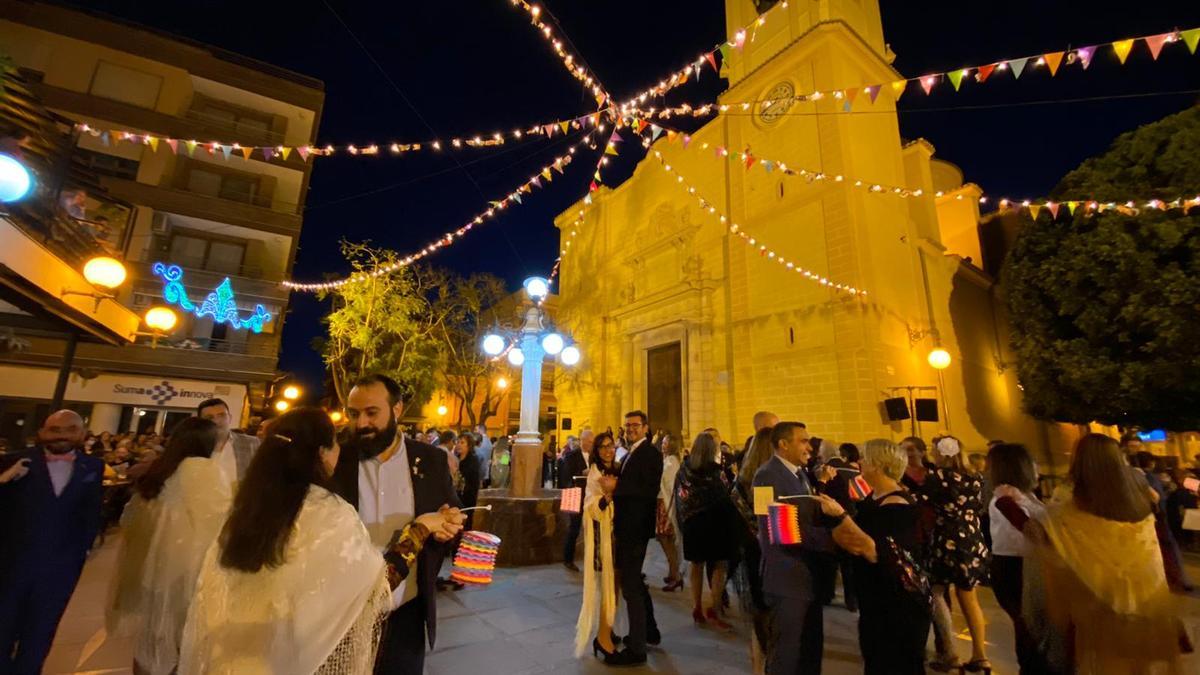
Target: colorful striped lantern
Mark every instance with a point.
(783, 524)
(475, 562)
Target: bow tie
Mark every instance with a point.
(65, 457)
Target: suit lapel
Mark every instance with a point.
(420, 480)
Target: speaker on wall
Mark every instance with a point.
(897, 409)
(927, 409)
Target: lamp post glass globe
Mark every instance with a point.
(16, 182)
(104, 272)
(939, 358)
(570, 356)
(493, 344)
(552, 343)
(161, 319)
(502, 383)
(282, 406)
(516, 357)
(537, 287)
(291, 392)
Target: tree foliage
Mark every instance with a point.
(390, 324)
(1106, 308)
(469, 374)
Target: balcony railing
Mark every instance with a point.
(198, 345)
(234, 131)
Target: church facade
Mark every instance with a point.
(679, 316)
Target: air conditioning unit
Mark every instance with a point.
(159, 224)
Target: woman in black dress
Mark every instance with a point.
(712, 530)
(957, 555)
(893, 622)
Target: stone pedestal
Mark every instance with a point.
(530, 528)
(526, 472)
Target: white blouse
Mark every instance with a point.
(1006, 539)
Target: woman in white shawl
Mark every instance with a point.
(293, 584)
(178, 508)
(599, 588)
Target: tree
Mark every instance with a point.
(1106, 307)
(387, 324)
(469, 373)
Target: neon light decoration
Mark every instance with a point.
(219, 304)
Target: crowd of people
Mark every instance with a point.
(302, 549)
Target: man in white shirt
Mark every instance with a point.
(391, 480)
(234, 451)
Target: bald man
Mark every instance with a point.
(50, 499)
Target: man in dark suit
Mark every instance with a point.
(796, 612)
(50, 498)
(635, 500)
(574, 463)
(392, 480)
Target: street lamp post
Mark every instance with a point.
(535, 340)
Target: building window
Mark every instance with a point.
(198, 252)
(126, 85)
(109, 165)
(244, 122)
(224, 186)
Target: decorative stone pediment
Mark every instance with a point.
(667, 227)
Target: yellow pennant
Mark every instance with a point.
(246, 152)
(285, 152)
(547, 175)
(1122, 47)
(898, 88)
(611, 149)
(1034, 209)
(564, 126)
(153, 143)
(1052, 60)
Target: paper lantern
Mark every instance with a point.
(475, 562)
(783, 524)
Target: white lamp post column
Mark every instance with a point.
(531, 375)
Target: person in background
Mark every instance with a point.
(50, 498)
(599, 606)
(1011, 471)
(846, 463)
(234, 450)
(978, 464)
(483, 448)
(179, 506)
(469, 472)
(446, 441)
(958, 556)
(796, 620)
(669, 446)
(1156, 491)
(747, 576)
(393, 483)
(762, 420)
(709, 524)
(635, 497)
(501, 463)
(144, 462)
(574, 463)
(1179, 501)
(893, 623)
(1105, 594)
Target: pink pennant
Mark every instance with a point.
(927, 83)
(1084, 54)
(712, 61)
(1156, 42)
(303, 151)
(1053, 207)
(873, 92)
(686, 139)
(174, 145)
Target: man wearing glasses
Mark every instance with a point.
(635, 498)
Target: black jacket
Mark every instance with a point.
(432, 487)
(636, 498)
(570, 465)
(469, 468)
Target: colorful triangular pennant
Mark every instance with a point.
(1018, 66)
(1053, 59)
(303, 152)
(1071, 207)
(984, 72)
(898, 88)
(1122, 47)
(152, 141)
(655, 132)
(285, 150)
(174, 145)
(564, 126)
(851, 94)
(1084, 54)
(873, 92)
(246, 152)
(956, 77)
(1053, 208)
(268, 153)
(1156, 42)
(225, 150)
(1033, 210)
(927, 82)
(1191, 38)
(547, 175)
(191, 147)
(712, 61)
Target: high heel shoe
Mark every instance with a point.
(598, 651)
(698, 616)
(977, 666)
(717, 621)
(673, 585)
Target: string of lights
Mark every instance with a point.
(538, 180)
(763, 249)
(570, 61)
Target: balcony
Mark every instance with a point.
(254, 212)
(251, 284)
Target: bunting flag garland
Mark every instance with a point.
(269, 152)
(570, 61)
(763, 250)
(448, 238)
(1122, 48)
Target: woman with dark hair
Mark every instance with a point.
(1105, 594)
(1012, 472)
(294, 584)
(598, 609)
(177, 510)
(712, 530)
(747, 576)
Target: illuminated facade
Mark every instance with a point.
(210, 236)
(701, 330)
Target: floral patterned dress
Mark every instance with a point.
(957, 554)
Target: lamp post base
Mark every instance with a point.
(526, 466)
(530, 528)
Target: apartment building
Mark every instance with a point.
(202, 227)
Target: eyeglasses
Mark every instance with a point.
(632, 425)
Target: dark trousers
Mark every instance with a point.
(1007, 579)
(798, 636)
(630, 557)
(574, 522)
(31, 605)
(846, 566)
(402, 649)
(824, 569)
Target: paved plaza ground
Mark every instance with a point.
(524, 623)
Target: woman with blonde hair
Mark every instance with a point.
(1102, 569)
(894, 616)
(665, 526)
(747, 576)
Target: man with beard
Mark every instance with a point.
(50, 498)
(392, 480)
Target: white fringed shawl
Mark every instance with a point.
(585, 629)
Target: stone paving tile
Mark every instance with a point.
(524, 624)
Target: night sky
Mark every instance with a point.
(477, 66)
